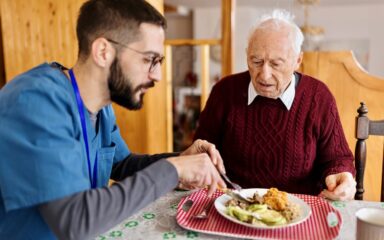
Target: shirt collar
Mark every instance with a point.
(287, 97)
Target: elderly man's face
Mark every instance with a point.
(271, 61)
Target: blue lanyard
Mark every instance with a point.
(80, 106)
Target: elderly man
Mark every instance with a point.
(59, 143)
(275, 127)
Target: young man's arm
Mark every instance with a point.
(134, 163)
(85, 215)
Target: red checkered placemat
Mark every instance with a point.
(324, 222)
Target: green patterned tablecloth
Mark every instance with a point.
(158, 221)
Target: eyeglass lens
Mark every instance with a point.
(155, 61)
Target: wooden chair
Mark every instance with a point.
(364, 128)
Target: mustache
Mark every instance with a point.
(145, 85)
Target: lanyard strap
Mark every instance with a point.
(80, 106)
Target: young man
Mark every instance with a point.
(59, 143)
(275, 127)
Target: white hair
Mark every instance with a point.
(278, 16)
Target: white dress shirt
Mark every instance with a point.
(286, 97)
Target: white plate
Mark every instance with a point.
(304, 208)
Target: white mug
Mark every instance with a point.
(370, 224)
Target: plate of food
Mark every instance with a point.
(266, 208)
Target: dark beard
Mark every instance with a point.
(121, 89)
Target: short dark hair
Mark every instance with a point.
(115, 19)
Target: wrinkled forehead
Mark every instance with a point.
(272, 35)
(273, 28)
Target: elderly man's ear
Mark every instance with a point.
(299, 60)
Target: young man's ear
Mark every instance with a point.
(103, 53)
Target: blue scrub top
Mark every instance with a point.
(42, 150)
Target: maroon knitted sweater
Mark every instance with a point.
(265, 145)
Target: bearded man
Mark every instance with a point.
(59, 143)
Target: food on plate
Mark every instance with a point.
(271, 209)
(276, 199)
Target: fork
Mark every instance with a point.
(236, 195)
(237, 187)
(234, 185)
(204, 213)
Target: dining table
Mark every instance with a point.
(158, 221)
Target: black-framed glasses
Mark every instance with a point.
(155, 58)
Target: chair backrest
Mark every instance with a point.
(364, 128)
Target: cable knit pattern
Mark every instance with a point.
(265, 145)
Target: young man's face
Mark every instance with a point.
(137, 67)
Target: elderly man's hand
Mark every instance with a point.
(203, 146)
(340, 186)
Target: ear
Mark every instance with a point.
(103, 53)
(299, 60)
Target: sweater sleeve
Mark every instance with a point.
(134, 163)
(211, 121)
(86, 214)
(333, 151)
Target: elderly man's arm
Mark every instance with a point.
(336, 158)
(211, 120)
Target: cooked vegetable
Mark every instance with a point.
(241, 214)
(272, 217)
(257, 207)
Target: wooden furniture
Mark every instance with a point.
(36, 31)
(364, 128)
(227, 36)
(350, 85)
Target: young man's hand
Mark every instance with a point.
(203, 146)
(198, 171)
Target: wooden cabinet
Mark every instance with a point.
(38, 31)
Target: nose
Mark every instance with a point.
(266, 72)
(156, 73)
